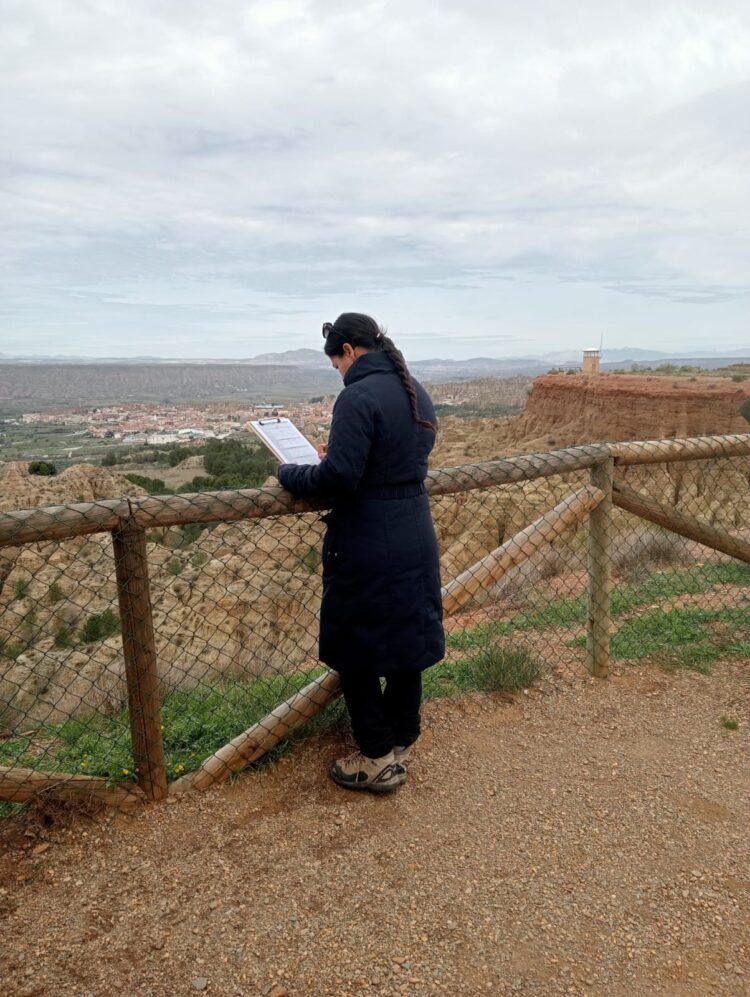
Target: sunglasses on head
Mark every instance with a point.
(327, 329)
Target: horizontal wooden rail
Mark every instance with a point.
(506, 470)
(61, 522)
(669, 451)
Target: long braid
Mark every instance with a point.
(399, 363)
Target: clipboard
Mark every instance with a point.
(285, 441)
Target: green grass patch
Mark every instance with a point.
(684, 638)
(63, 636)
(480, 636)
(54, 594)
(557, 613)
(21, 587)
(8, 809)
(676, 582)
(199, 721)
(729, 723)
(196, 723)
(572, 612)
(11, 649)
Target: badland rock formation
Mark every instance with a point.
(567, 409)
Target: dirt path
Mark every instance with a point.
(590, 838)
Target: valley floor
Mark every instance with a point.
(583, 838)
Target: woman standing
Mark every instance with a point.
(381, 613)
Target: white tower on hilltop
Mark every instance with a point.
(591, 360)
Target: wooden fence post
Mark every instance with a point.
(600, 573)
(131, 567)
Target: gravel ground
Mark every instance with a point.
(585, 838)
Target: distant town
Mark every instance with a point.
(158, 425)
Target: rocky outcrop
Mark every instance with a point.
(79, 483)
(576, 408)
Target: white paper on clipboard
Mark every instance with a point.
(285, 441)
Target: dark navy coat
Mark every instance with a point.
(381, 608)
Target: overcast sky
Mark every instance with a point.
(486, 177)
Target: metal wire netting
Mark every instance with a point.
(177, 641)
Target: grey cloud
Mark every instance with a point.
(250, 162)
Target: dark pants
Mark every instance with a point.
(383, 718)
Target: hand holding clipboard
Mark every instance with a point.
(285, 441)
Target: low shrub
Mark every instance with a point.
(54, 594)
(63, 636)
(99, 626)
(43, 467)
(21, 587)
(637, 554)
(501, 669)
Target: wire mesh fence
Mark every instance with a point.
(153, 645)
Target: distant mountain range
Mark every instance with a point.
(32, 383)
(305, 356)
(307, 359)
(530, 366)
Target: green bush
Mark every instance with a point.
(231, 464)
(11, 649)
(154, 486)
(190, 533)
(246, 464)
(177, 455)
(745, 410)
(109, 459)
(63, 636)
(22, 587)
(312, 559)
(43, 467)
(174, 567)
(30, 628)
(638, 553)
(99, 626)
(55, 593)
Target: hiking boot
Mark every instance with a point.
(402, 755)
(378, 775)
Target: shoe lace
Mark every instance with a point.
(353, 757)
